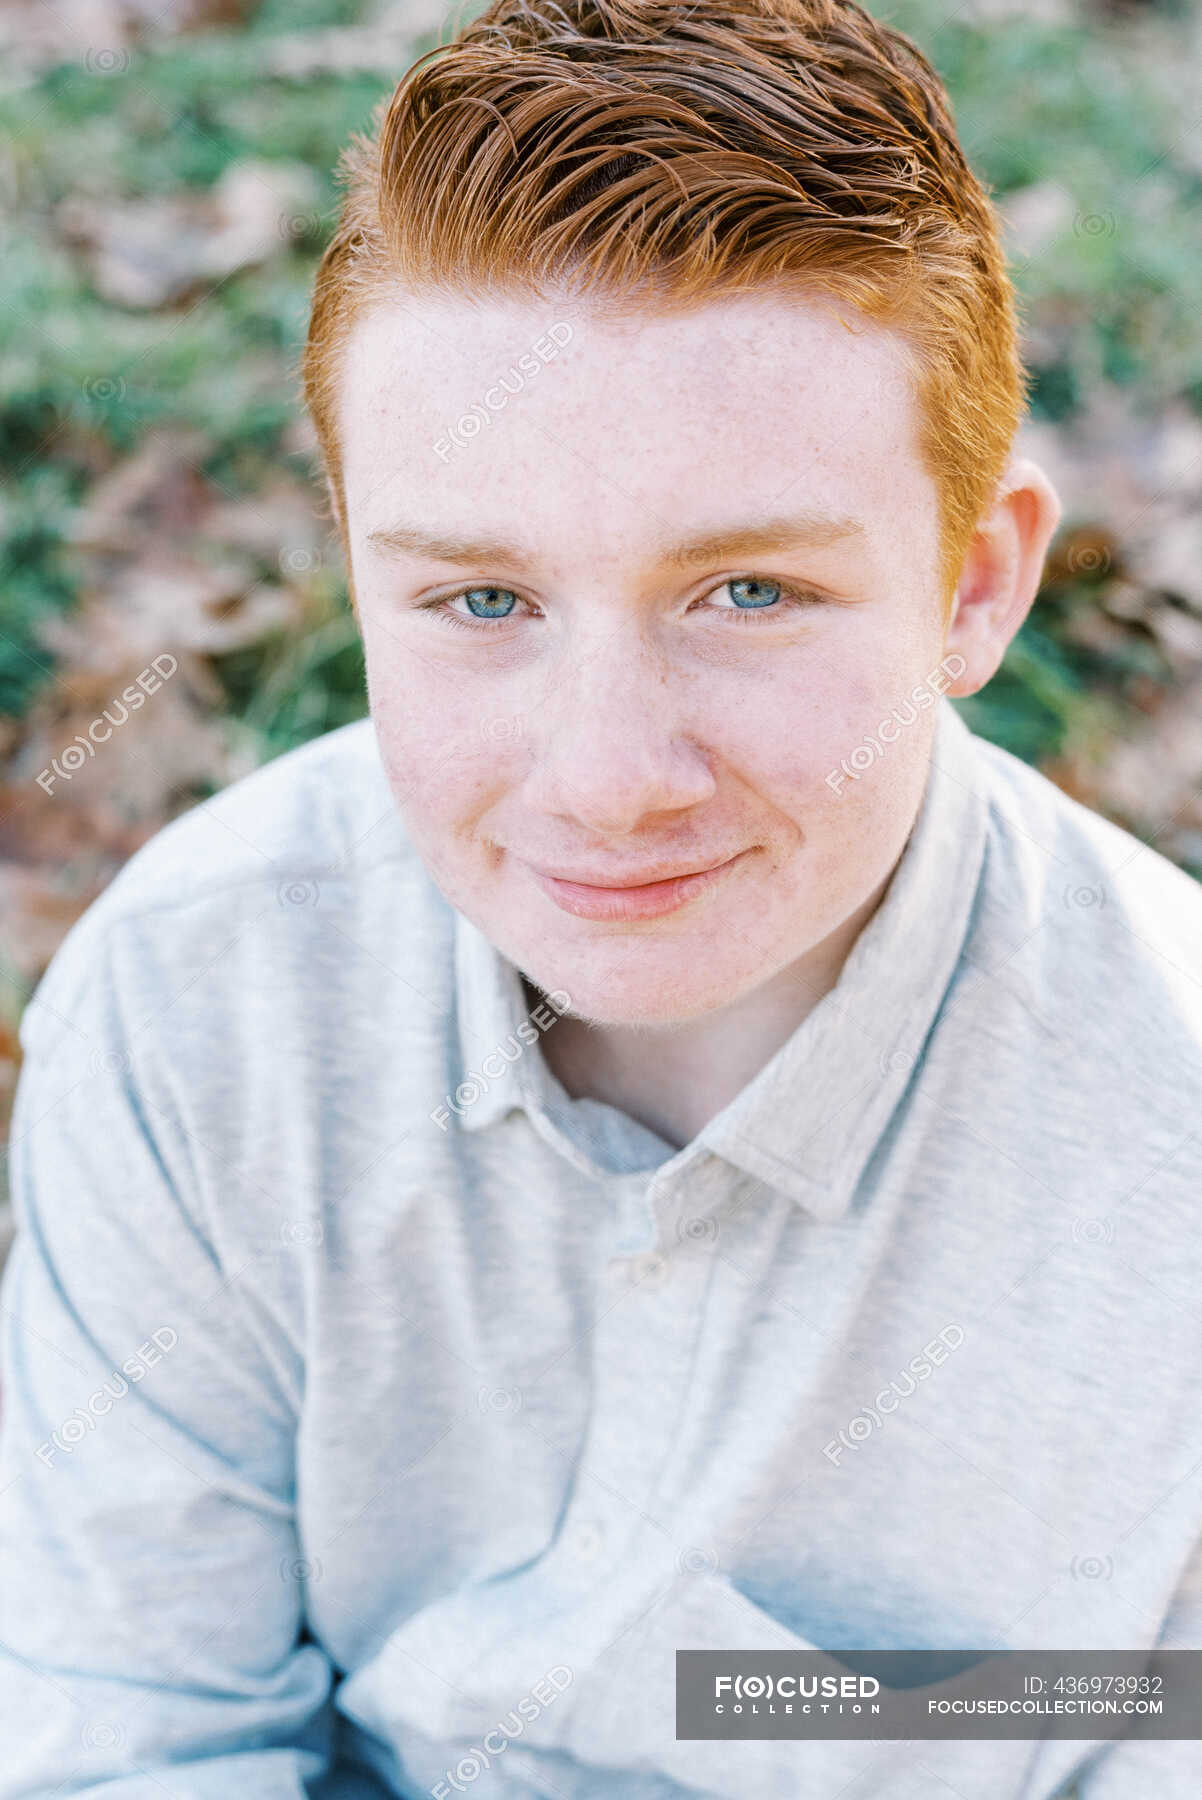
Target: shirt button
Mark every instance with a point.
(588, 1540)
(649, 1269)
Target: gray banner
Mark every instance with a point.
(939, 1694)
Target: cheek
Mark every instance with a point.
(443, 778)
(842, 753)
(428, 724)
(793, 729)
(866, 679)
(447, 763)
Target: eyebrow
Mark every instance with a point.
(795, 531)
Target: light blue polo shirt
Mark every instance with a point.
(379, 1420)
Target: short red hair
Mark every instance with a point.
(654, 155)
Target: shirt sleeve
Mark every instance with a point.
(1162, 1768)
(152, 1598)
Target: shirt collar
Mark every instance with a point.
(491, 1002)
(808, 1122)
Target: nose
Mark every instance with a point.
(613, 745)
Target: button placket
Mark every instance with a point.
(588, 1539)
(649, 1269)
(644, 1345)
(642, 1349)
(573, 1602)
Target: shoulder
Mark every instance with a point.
(1054, 861)
(243, 883)
(1094, 936)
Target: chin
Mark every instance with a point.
(618, 987)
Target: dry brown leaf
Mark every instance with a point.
(158, 489)
(1172, 559)
(165, 603)
(155, 252)
(279, 524)
(1153, 779)
(383, 46)
(63, 838)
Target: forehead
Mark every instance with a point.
(611, 428)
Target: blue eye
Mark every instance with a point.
(761, 593)
(490, 602)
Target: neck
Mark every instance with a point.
(675, 1078)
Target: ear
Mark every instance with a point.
(1002, 572)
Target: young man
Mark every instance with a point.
(659, 1139)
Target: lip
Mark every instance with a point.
(638, 899)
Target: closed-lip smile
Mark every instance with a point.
(644, 895)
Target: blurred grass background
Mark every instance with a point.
(167, 186)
